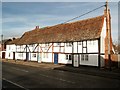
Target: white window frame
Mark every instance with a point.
(79, 43)
(84, 57)
(58, 44)
(45, 55)
(68, 56)
(20, 54)
(68, 44)
(33, 55)
(46, 44)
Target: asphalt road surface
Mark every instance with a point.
(27, 78)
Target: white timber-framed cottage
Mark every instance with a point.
(83, 42)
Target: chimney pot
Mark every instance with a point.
(37, 27)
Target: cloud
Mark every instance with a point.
(21, 17)
(59, 1)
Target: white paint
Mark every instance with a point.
(92, 46)
(92, 60)
(60, 79)
(9, 51)
(62, 59)
(33, 56)
(68, 49)
(102, 39)
(15, 84)
(76, 61)
(20, 70)
(46, 55)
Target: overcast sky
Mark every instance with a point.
(19, 17)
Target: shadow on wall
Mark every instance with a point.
(115, 61)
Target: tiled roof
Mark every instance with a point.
(76, 31)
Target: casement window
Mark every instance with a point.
(94, 42)
(31, 45)
(45, 55)
(58, 44)
(69, 44)
(90, 42)
(47, 45)
(9, 55)
(34, 55)
(84, 57)
(79, 43)
(20, 55)
(9, 48)
(68, 57)
(84, 47)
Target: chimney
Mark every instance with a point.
(14, 38)
(37, 27)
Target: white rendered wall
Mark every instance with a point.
(92, 46)
(20, 56)
(9, 51)
(92, 60)
(68, 49)
(9, 55)
(102, 39)
(48, 58)
(33, 58)
(62, 59)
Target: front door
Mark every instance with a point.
(55, 58)
(39, 57)
(13, 55)
(27, 56)
(76, 60)
(3, 55)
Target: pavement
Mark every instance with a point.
(33, 64)
(102, 72)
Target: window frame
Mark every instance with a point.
(69, 44)
(68, 56)
(84, 57)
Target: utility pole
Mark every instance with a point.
(108, 30)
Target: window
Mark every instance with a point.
(79, 43)
(68, 57)
(47, 45)
(94, 42)
(20, 55)
(58, 44)
(9, 48)
(90, 42)
(45, 55)
(9, 55)
(84, 57)
(68, 44)
(34, 55)
(31, 45)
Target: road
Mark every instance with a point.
(27, 78)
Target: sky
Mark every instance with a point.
(19, 17)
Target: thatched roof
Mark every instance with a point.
(76, 31)
(13, 41)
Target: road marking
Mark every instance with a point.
(15, 84)
(20, 69)
(57, 78)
